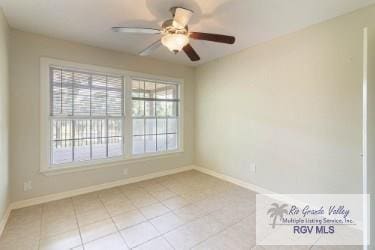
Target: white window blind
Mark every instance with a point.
(86, 115)
(155, 116)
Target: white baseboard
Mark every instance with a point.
(94, 188)
(233, 180)
(4, 219)
(71, 193)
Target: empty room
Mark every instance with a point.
(187, 124)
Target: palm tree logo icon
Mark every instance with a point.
(277, 211)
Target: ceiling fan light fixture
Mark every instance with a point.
(175, 42)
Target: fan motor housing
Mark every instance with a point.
(168, 28)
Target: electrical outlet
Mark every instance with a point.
(125, 171)
(27, 186)
(253, 167)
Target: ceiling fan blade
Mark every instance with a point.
(181, 17)
(147, 51)
(212, 37)
(136, 30)
(191, 53)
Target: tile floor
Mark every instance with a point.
(189, 210)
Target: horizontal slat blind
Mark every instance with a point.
(86, 115)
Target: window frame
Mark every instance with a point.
(48, 168)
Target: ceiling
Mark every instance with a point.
(251, 21)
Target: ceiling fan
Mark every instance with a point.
(176, 35)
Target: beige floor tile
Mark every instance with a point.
(97, 230)
(282, 248)
(155, 244)
(143, 200)
(154, 187)
(115, 207)
(162, 195)
(128, 219)
(133, 192)
(175, 202)
(110, 242)
(189, 212)
(193, 233)
(78, 248)
(58, 214)
(83, 206)
(19, 243)
(63, 241)
(167, 222)
(86, 197)
(221, 242)
(15, 230)
(336, 248)
(92, 216)
(55, 227)
(154, 210)
(28, 211)
(139, 234)
(112, 194)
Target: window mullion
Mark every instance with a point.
(128, 124)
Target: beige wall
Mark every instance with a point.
(4, 115)
(26, 50)
(292, 106)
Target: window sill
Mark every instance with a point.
(85, 166)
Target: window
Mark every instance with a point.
(86, 114)
(94, 115)
(155, 116)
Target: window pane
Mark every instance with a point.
(98, 128)
(62, 130)
(172, 125)
(81, 79)
(62, 152)
(171, 109)
(82, 101)
(172, 141)
(114, 103)
(98, 102)
(114, 82)
(150, 143)
(99, 81)
(67, 77)
(62, 99)
(99, 148)
(115, 146)
(161, 107)
(137, 88)
(149, 89)
(138, 127)
(82, 150)
(150, 108)
(160, 91)
(161, 126)
(114, 127)
(138, 144)
(150, 126)
(161, 142)
(92, 95)
(171, 91)
(82, 129)
(138, 108)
